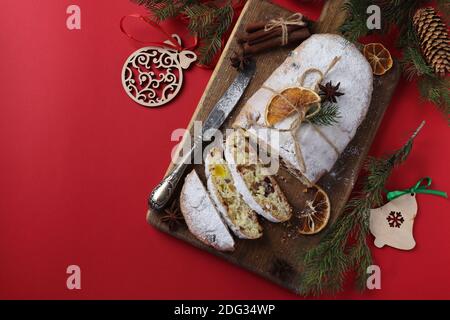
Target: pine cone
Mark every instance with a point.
(433, 39)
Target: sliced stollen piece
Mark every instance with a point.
(253, 181)
(320, 145)
(241, 219)
(201, 216)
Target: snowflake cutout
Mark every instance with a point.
(395, 219)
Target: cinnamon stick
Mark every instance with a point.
(262, 35)
(255, 26)
(296, 36)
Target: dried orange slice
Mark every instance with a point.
(281, 105)
(379, 58)
(316, 213)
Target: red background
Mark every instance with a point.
(78, 159)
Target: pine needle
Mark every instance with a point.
(414, 65)
(399, 13)
(436, 91)
(327, 116)
(209, 21)
(355, 26)
(326, 265)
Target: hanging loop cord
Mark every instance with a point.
(419, 187)
(173, 41)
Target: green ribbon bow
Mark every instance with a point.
(418, 188)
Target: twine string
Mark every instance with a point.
(294, 19)
(301, 115)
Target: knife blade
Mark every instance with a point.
(228, 101)
(163, 192)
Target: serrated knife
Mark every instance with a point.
(163, 192)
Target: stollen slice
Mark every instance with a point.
(201, 216)
(241, 219)
(258, 188)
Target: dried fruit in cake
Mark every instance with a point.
(379, 58)
(254, 181)
(240, 218)
(316, 212)
(281, 105)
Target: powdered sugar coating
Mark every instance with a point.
(201, 216)
(356, 81)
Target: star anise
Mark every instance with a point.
(239, 60)
(330, 92)
(281, 269)
(172, 217)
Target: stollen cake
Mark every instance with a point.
(241, 219)
(201, 216)
(320, 145)
(258, 188)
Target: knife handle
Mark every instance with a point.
(163, 192)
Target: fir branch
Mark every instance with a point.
(200, 17)
(408, 37)
(328, 115)
(166, 12)
(394, 13)
(327, 264)
(414, 65)
(209, 21)
(435, 90)
(163, 9)
(400, 13)
(209, 47)
(355, 26)
(214, 32)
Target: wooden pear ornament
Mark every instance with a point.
(392, 224)
(153, 76)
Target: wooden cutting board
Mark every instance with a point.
(281, 247)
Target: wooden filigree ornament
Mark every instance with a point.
(392, 224)
(152, 76)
